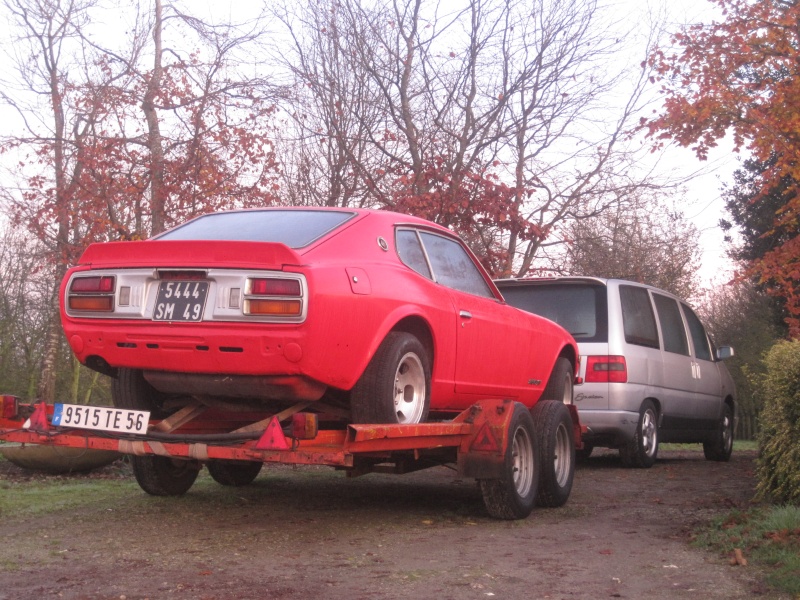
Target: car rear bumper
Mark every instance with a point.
(230, 349)
(609, 427)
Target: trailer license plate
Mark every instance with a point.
(180, 301)
(101, 418)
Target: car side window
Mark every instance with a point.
(409, 248)
(638, 319)
(453, 267)
(702, 350)
(672, 329)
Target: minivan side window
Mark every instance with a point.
(702, 350)
(669, 316)
(638, 320)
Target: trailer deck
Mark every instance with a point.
(494, 441)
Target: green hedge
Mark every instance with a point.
(779, 428)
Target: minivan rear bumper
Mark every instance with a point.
(609, 427)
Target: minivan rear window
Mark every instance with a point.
(579, 308)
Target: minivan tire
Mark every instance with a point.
(721, 446)
(641, 452)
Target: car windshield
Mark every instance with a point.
(295, 228)
(581, 309)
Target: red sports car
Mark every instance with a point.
(373, 316)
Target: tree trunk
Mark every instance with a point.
(154, 141)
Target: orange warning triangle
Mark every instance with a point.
(273, 438)
(485, 440)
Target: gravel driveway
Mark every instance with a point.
(311, 533)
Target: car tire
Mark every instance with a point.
(559, 386)
(556, 452)
(396, 386)
(721, 446)
(641, 452)
(129, 389)
(514, 495)
(234, 472)
(164, 476)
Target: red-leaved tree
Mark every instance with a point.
(741, 77)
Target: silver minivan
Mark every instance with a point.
(649, 372)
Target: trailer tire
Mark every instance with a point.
(557, 452)
(163, 476)
(514, 496)
(396, 385)
(129, 389)
(234, 472)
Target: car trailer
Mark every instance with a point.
(520, 457)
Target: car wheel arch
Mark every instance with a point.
(420, 329)
(415, 324)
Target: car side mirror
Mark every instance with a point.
(724, 352)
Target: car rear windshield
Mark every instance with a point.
(295, 228)
(579, 308)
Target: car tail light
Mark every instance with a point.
(92, 303)
(9, 407)
(606, 369)
(103, 284)
(273, 297)
(274, 287)
(281, 308)
(92, 294)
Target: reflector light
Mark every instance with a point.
(92, 303)
(104, 283)
(304, 426)
(285, 308)
(275, 287)
(9, 406)
(606, 369)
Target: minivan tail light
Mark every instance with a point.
(606, 369)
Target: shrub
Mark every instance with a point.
(779, 435)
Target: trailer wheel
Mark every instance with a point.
(129, 389)
(396, 385)
(641, 452)
(514, 496)
(557, 447)
(233, 472)
(721, 445)
(163, 476)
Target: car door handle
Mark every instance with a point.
(465, 314)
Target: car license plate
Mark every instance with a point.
(180, 301)
(101, 418)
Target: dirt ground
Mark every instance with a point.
(311, 533)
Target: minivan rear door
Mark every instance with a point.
(679, 406)
(708, 383)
